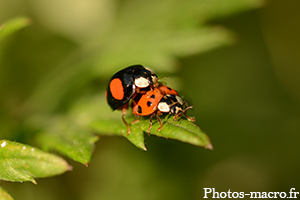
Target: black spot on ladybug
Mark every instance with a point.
(169, 88)
(149, 103)
(139, 109)
(153, 96)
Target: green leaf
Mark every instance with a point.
(114, 127)
(68, 139)
(12, 26)
(4, 195)
(161, 50)
(158, 38)
(20, 162)
(182, 130)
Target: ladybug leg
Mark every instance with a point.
(123, 113)
(150, 124)
(160, 123)
(175, 118)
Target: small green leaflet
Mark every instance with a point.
(67, 138)
(20, 162)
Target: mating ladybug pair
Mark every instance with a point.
(149, 97)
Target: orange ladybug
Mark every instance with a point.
(160, 100)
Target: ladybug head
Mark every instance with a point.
(144, 77)
(176, 109)
(177, 106)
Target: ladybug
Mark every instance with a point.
(125, 83)
(157, 101)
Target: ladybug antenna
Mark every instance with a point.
(161, 83)
(165, 77)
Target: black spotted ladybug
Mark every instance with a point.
(125, 83)
(160, 100)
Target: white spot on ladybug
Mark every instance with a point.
(163, 107)
(3, 144)
(179, 100)
(141, 82)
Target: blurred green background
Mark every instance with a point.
(236, 63)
